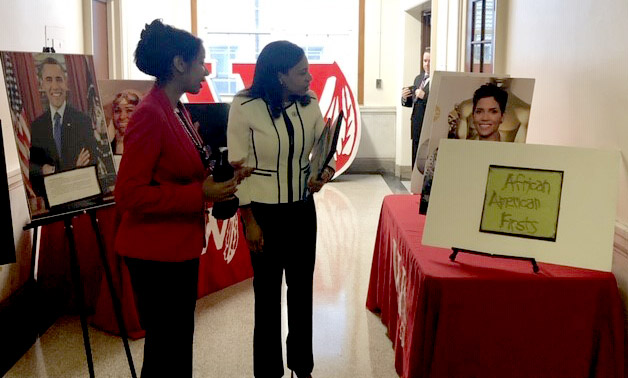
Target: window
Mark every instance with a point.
(313, 53)
(480, 36)
(224, 81)
(326, 36)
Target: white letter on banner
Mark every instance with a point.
(229, 230)
(401, 285)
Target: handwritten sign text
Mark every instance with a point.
(522, 202)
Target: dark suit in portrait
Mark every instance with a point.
(76, 134)
(418, 110)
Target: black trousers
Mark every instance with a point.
(289, 245)
(166, 299)
(415, 149)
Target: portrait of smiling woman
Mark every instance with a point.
(489, 105)
(123, 105)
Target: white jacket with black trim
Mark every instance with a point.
(280, 154)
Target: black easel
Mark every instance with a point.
(76, 275)
(452, 257)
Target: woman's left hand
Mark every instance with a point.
(315, 185)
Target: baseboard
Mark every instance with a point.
(14, 178)
(404, 172)
(372, 165)
(620, 270)
(620, 243)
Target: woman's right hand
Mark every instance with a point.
(253, 232)
(219, 191)
(254, 237)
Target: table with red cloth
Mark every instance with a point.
(489, 317)
(225, 262)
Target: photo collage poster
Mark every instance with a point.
(59, 128)
(119, 100)
(452, 116)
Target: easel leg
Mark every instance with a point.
(32, 282)
(454, 253)
(76, 278)
(34, 261)
(117, 307)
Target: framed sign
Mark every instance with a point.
(522, 202)
(556, 204)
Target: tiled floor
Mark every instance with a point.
(406, 184)
(349, 341)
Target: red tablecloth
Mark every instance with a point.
(489, 317)
(225, 262)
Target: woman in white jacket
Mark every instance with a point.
(273, 126)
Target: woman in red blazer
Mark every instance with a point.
(161, 190)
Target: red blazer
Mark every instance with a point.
(158, 191)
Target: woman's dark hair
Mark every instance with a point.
(158, 46)
(276, 57)
(491, 90)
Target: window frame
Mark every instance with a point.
(483, 42)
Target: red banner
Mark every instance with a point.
(334, 93)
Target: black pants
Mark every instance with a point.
(289, 244)
(166, 298)
(415, 149)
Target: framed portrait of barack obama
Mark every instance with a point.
(60, 130)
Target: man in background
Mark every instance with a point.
(62, 138)
(416, 97)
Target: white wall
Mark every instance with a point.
(382, 47)
(22, 28)
(579, 57)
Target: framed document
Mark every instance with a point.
(70, 186)
(522, 202)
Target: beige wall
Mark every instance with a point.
(579, 57)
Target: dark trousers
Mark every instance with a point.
(166, 298)
(289, 245)
(415, 148)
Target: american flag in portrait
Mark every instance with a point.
(18, 118)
